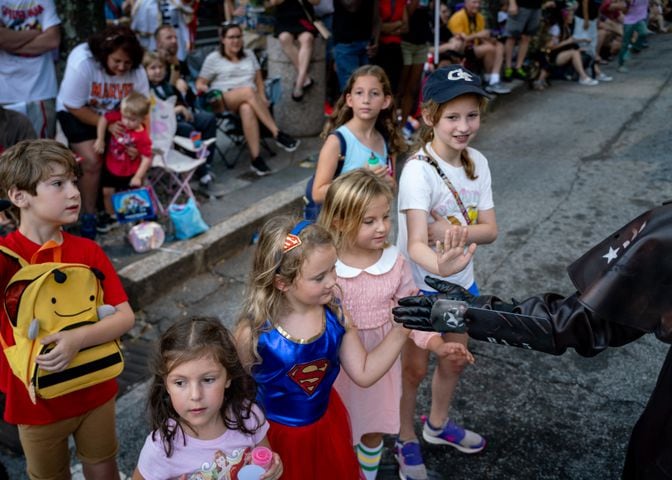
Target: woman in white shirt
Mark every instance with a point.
(98, 74)
(235, 72)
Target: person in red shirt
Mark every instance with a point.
(129, 153)
(38, 177)
(394, 23)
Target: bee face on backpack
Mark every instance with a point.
(69, 298)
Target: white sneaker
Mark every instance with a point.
(498, 88)
(603, 77)
(588, 82)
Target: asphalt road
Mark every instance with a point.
(570, 165)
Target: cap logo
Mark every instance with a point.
(460, 74)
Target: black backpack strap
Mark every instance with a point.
(341, 157)
(312, 209)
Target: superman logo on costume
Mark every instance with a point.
(309, 375)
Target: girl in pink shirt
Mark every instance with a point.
(205, 423)
(372, 276)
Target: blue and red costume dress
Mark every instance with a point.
(310, 427)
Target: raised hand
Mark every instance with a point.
(453, 255)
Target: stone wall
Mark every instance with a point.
(304, 118)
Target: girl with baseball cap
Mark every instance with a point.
(444, 185)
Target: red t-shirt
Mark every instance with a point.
(391, 11)
(18, 407)
(117, 161)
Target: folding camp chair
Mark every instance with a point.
(171, 169)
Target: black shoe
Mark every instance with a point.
(106, 222)
(259, 167)
(287, 143)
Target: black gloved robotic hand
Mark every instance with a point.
(454, 310)
(418, 312)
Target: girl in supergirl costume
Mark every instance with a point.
(294, 336)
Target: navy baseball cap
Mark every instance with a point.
(4, 204)
(452, 81)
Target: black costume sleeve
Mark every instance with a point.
(567, 322)
(548, 323)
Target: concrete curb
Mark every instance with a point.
(150, 277)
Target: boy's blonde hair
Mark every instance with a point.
(264, 302)
(135, 104)
(152, 57)
(29, 162)
(434, 111)
(346, 202)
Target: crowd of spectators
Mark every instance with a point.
(529, 40)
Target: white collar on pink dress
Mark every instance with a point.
(382, 266)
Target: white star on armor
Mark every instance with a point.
(611, 255)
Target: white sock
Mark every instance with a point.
(494, 78)
(487, 77)
(369, 459)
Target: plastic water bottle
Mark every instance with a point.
(373, 161)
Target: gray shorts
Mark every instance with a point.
(525, 23)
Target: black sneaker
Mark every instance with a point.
(106, 222)
(259, 167)
(287, 143)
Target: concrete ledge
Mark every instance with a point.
(150, 277)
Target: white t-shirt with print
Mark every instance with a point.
(421, 188)
(223, 74)
(86, 83)
(22, 78)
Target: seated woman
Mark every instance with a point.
(561, 50)
(98, 74)
(236, 73)
(293, 21)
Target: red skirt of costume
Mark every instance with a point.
(322, 450)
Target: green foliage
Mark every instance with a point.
(79, 18)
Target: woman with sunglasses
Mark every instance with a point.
(98, 74)
(235, 73)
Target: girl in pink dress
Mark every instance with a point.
(372, 276)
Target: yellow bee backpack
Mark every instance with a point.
(45, 298)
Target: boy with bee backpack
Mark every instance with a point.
(39, 179)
